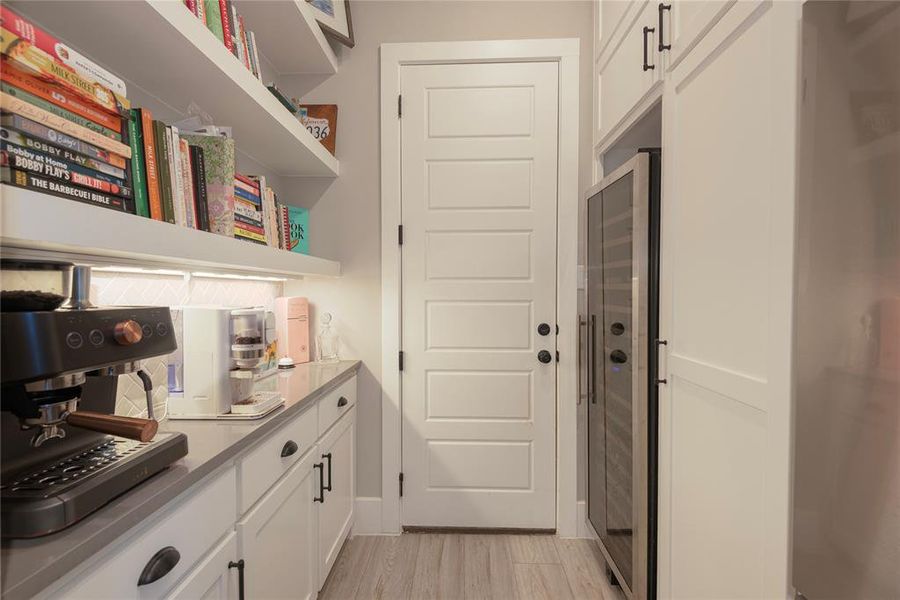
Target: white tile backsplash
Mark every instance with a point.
(146, 289)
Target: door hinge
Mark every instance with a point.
(399, 105)
(400, 234)
(401, 485)
(401, 360)
(557, 356)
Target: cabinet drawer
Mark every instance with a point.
(273, 457)
(212, 579)
(192, 529)
(336, 404)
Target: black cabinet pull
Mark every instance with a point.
(661, 46)
(159, 565)
(342, 401)
(647, 67)
(290, 447)
(321, 496)
(327, 488)
(239, 565)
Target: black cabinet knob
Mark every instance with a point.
(290, 447)
(159, 565)
(617, 356)
(544, 329)
(544, 356)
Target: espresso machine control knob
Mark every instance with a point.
(128, 332)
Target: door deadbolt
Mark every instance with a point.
(617, 356)
(544, 329)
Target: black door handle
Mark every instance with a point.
(543, 329)
(662, 8)
(617, 356)
(159, 565)
(647, 67)
(321, 496)
(342, 401)
(290, 447)
(544, 356)
(327, 488)
(239, 565)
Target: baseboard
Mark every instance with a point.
(367, 520)
(584, 529)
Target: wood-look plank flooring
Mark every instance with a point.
(460, 566)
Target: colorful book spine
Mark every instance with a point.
(45, 66)
(162, 161)
(25, 29)
(218, 155)
(198, 169)
(245, 46)
(191, 6)
(174, 147)
(28, 141)
(214, 18)
(249, 235)
(255, 55)
(187, 184)
(151, 167)
(243, 194)
(30, 181)
(235, 33)
(249, 225)
(246, 210)
(20, 107)
(42, 164)
(201, 11)
(61, 140)
(298, 225)
(271, 218)
(138, 167)
(57, 95)
(59, 112)
(225, 16)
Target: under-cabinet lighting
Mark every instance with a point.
(238, 277)
(139, 271)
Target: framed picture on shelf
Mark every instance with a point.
(334, 19)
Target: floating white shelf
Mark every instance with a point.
(66, 229)
(161, 47)
(288, 35)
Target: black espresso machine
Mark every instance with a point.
(64, 451)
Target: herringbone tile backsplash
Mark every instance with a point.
(128, 289)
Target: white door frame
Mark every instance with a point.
(393, 57)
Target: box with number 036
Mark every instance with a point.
(321, 121)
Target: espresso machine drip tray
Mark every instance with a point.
(52, 496)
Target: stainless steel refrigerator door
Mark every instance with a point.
(846, 515)
(617, 292)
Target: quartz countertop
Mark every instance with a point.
(29, 566)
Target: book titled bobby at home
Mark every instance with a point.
(67, 129)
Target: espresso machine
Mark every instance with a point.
(64, 451)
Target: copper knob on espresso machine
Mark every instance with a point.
(127, 332)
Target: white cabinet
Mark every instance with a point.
(278, 537)
(628, 69)
(337, 451)
(729, 112)
(215, 578)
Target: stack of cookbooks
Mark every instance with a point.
(222, 18)
(63, 125)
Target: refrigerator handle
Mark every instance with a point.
(592, 352)
(581, 374)
(659, 351)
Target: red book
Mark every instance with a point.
(150, 164)
(226, 25)
(192, 6)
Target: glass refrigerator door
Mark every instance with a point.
(616, 301)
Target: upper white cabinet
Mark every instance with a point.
(683, 23)
(627, 68)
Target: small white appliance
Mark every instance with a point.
(228, 359)
(292, 324)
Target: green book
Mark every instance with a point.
(165, 174)
(214, 18)
(138, 174)
(298, 223)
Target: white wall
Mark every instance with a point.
(346, 214)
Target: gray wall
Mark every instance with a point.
(345, 213)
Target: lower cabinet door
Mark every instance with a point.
(214, 578)
(277, 539)
(336, 453)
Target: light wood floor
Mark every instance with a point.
(451, 566)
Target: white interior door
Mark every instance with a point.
(479, 196)
(725, 308)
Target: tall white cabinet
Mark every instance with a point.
(727, 82)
